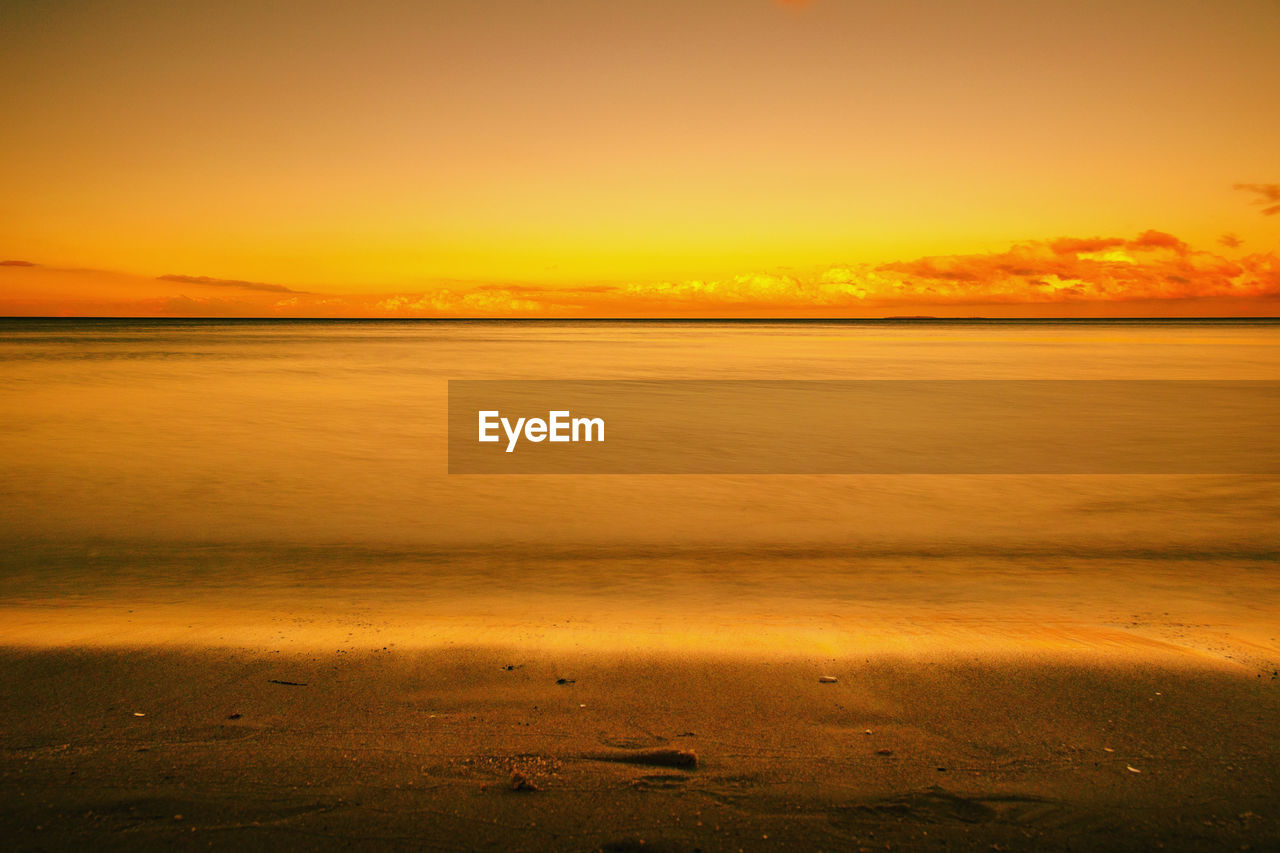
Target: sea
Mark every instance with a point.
(286, 482)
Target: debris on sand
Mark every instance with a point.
(884, 752)
(827, 679)
(685, 758)
(520, 782)
(564, 681)
(1131, 768)
(287, 683)
(234, 716)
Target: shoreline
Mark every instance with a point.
(419, 748)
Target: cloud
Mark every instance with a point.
(1148, 240)
(1144, 242)
(17, 264)
(1268, 195)
(1098, 274)
(1230, 240)
(1154, 265)
(228, 282)
(1149, 266)
(190, 306)
(1075, 245)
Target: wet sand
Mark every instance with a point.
(1022, 703)
(150, 747)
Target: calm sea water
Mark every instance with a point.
(259, 461)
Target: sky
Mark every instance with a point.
(649, 158)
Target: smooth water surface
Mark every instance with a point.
(300, 465)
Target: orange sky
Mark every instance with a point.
(685, 158)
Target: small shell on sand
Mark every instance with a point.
(827, 679)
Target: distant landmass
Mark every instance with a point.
(928, 317)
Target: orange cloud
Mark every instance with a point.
(1157, 240)
(228, 282)
(1098, 275)
(1268, 195)
(1071, 245)
(1152, 266)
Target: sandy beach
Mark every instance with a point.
(466, 748)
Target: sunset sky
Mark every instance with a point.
(649, 158)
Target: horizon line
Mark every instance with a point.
(886, 319)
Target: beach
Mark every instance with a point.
(465, 748)
(976, 704)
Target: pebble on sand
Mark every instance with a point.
(827, 679)
(520, 782)
(654, 757)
